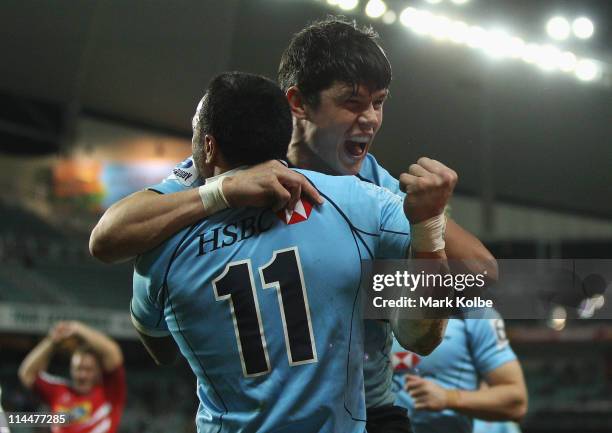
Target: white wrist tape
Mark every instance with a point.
(428, 235)
(212, 196)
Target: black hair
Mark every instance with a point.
(249, 117)
(333, 50)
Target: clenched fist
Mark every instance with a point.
(429, 185)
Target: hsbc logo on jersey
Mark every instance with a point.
(302, 211)
(404, 361)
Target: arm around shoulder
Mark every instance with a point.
(142, 221)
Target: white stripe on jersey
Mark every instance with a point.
(104, 426)
(56, 380)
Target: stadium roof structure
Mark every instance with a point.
(532, 137)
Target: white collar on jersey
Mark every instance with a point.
(227, 173)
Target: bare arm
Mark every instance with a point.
(36, 361)
(464, 246)
(107, 348)
(145, 219)
(142, 221)
(466, 252)
(504, 399)
(421, 336)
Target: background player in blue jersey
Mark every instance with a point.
(481, 426)
(288, 358)
(336, 78)
(442, 391)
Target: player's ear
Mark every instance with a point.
(296, 102)
(211, 149)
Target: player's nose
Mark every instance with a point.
(368, 120)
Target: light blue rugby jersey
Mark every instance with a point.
(471, 348)
(185, 175)
(267, 314)
(377, 368)
(378, 371)
(481, 426)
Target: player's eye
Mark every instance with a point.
(352, 105)
(378, 103)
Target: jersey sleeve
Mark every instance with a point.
(394, 227)
(46, 386)
(184, 176)
(490, 346)
(148, 298)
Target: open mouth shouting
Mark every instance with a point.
(356, 146)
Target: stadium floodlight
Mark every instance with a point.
(458, 32)
(583, 28)
(498, 44)
(548, 58)
(501, 45)
(558, 28)
(586, 70)
(495, 43)
(409, 17)
(531, 53)
(567, 62)
(375, 8)
(477, 37)
(389, 17)
(459, 2)
(440, 27)
(424, 23)
(516, 47)
(348, 5)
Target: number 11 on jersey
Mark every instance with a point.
(283, 273)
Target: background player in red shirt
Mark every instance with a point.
(94, 398)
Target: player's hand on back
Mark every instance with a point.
(269, 184)
(429, 185)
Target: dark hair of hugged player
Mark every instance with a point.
(248, 116)
(330, 51)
